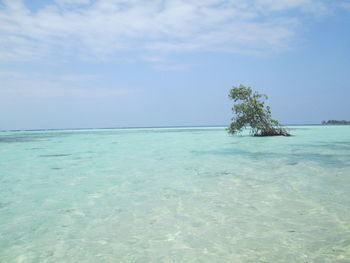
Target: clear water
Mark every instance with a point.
(175, 195)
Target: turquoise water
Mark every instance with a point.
(175, 195)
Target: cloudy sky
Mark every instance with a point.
(115, 63)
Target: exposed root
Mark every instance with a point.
(273, 131)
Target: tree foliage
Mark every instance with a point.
(250, 111)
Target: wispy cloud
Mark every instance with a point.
(173, 66)
(103, 28)
(345, 5)
(34, 85)
(73, 2)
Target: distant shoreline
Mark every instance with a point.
(336, 122)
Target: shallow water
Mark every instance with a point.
(175, 195)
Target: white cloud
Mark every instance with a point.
(103, 28)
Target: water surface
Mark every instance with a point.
(175, 195)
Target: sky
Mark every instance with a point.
(137, 63)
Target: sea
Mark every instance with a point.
(185, 194)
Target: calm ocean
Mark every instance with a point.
(175, 195)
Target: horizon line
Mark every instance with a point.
(143, 127)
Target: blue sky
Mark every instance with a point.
(115, 63)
